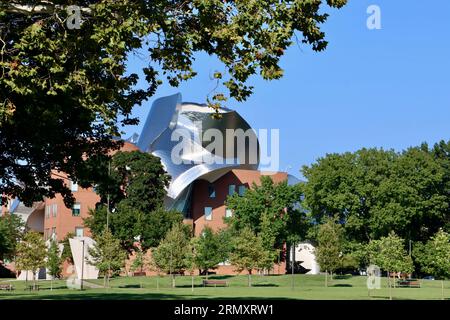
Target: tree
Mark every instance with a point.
(375, 191)
(54, 261)
(138, 261)
(329, 249)
(209, 250)
(131, 225)
(170, 255)
(133, 187)
(31, 254)
(133, 178)
(434, 257)
(66, 254)
(107, 255)
(390, 255)
(11, 232)
(248, 252)
(65, 89)
(271, 211)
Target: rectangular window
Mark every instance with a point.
(208, 213)
(54, 209)
(53, 236)
(228, 213)
(47, 211)
(241, 190)
(73, 186)
(76, 209)
(211, 191)
(231, 189)
(79, 232)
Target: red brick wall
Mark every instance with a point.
(201, 199)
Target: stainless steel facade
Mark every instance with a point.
(170, 121)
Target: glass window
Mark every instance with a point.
(242, 190)
(54, 209)
(79, 232)
(228, 213)
(231, 189)
(73, 186)
(53, 233)
(211, 191)
(208, 213)
(76, 209)
(47, 211)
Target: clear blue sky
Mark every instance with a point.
(385, 88)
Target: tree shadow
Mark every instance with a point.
(342, 285)
(342, 276)
(265, 285)
(133, 296)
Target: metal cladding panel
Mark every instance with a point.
(189, 121)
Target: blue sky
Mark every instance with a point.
(385, 88)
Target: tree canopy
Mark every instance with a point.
(11, 231)
(329, 250)
(65, 91)
(31, 253)
(133, 185)
(271, 211)
(376, 191)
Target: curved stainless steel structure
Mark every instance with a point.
(172, 124)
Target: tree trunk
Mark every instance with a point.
(249, 278)
(192, 282)
(206, 273)
(104, 280)
(51, 284)
(157, 282)
(173, 280)
(442, 289)
(34, 281)
(326, 278)
(390, 286)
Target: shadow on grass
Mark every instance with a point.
(265, 285)
(342, 285)
(342, 276)
(131, 296)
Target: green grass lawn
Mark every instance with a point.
(264, 287)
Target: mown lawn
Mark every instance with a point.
(264, 287)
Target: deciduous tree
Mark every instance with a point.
(248, 252)
(434, 257)
(65, 89)
(54, 261)
(171, 254)
(107, 255)
(31, 254)
(329, 249)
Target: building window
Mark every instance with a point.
(73, 186)
(228, 213)
(208, 213)
(241, 190)
(76, 209)
(47, 211)
(211, 191)
(54, 209)
(79, 232)
(53, 236)
(46, 234)
(231, 189)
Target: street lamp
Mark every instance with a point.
(82, 265)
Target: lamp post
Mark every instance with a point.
(292, 264)
(82, 265)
